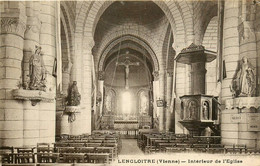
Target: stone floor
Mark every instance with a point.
(129, 147)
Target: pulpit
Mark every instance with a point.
(197, 109)
(197, 112)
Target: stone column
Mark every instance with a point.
(66, 77)
(48, 43)
(161, 96)
(231, 45)
(168, 101)
(101, 90)
(231, 58)
(155, 94)
(31, 39)
(180, 91)
(179, 81)
(31, 36)
(13, 25)
(86, 89)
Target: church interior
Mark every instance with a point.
(83, 82)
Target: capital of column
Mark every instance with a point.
(169, 73)
(101, 75)
(13, 25)
(156, 75)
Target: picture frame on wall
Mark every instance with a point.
(160, 103)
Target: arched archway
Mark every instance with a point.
(131, 38)
(178, 14)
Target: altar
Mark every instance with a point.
(126, 124)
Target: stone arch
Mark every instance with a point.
(134, 39)
(210, 36)
(178, 14)
(67, 46)
(117, 33)
(209, 14)
(138, 58)
(167, 50)
(69, 27)
(65, 40)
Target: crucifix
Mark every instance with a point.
(127, 63)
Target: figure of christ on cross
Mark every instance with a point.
(127, 63)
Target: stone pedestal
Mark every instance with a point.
(240, 122)
(70, 121)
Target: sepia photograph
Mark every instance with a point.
(122, 83)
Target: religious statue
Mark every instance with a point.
(108, 103)
(205, 111)
(143, 103)
(192, 108)
(37, 71)
(244, 81)
(127, 63)
(73, 96)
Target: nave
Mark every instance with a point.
(88, 82)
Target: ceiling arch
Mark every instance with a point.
(178, 14)
(130, 38)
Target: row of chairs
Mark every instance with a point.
(96, 148)
(151, 139)
(182, 147)
(178, 143)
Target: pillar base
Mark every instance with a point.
(240, 122)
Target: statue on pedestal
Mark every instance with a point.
(244, 82)
(74, 96)
(37, 71)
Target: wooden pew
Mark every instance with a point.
(25, 155)
(74, 157)
(45, 153)
(85, 149)
(234, 149)
(110, 150)
(93, 144)
(6, 153)
(174, 150)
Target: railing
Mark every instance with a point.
(128, 133)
